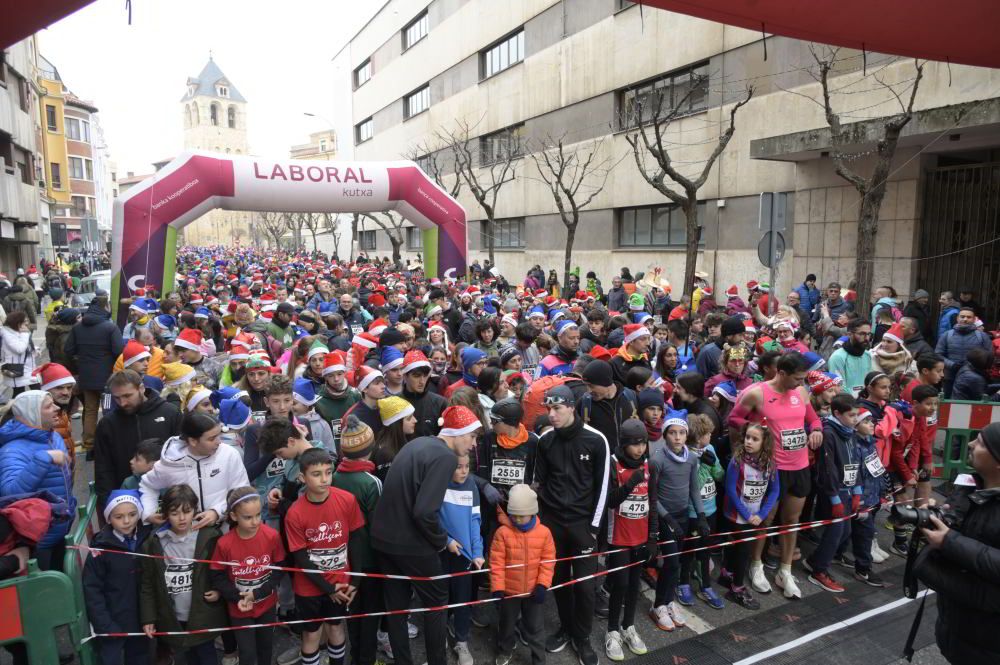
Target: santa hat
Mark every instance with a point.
(54, 375)
(458, 420)
(634, 331)
(564, 325)
(196, 396)
(239, 348)
(377, 326)
(134, 352)
(392, 409)
(363, 377)
(509, 318)
(895, 333)
(733, 292)
(434, 309)
(598, 352)
(818, 382)
(361, 344)
(376, 300)
(678, 418)
(641, 317)
(174, 374)
(748, 326)
(118, 497)
(202, 313)
(752, 285)
(391, 358)
(727, 390)
(318, 348)
(707, 290)
(537, 310)
(268, 302)
(234, 414)
(864, 413)
(636, 302)
(303, 392)
(190, 338)
(196, 299)
(336, 361)
(415, 359)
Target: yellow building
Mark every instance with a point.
(53, 112)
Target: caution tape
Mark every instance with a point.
(759, 535)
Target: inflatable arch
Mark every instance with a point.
(148, 216)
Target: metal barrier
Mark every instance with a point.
(34, 606)
(961, 422)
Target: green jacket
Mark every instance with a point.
(357, 477)
(709, 474)
(284, 335)
(155, 605)
(332, 410)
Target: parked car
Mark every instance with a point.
(89, 285)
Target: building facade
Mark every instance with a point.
(520, 74)
(214, 119)
(21, 170)
(322, 145)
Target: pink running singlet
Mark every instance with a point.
(786, 417)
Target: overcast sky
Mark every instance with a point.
(277, 54)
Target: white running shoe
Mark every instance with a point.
(677, 614)
(633, 641)
(758, 581)
(613, 646)
(878, 554)
(788, 585)
(463, 653)
(661, 617)
(412, 631)
(384, 645)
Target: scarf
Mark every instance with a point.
(654, 431)
(348, 465)
(527, 527)
(623, 352)
(338, 394)
(511, 442)
(680, 459)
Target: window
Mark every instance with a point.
(59, 238)
(77, 130)
(56, 170)
(50, 118)
(625, 4)
(415, 30)
(686, 90)
(322, 145)
(417, 102)
(214, 114)
(223, 91)
(24, 96)
(23, 160)
(363, 73)
(424, 162)
(3, 68)
(79, 206)
(501, 56)
(231, 114)
(507, 233)
(499, 146)
(363, 131)
(366, 240)
(414, 238)
(81, 168)
(655, 226)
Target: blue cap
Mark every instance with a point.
(678, 418)
(391, 358)
(304, 393)
(226, 392)
(202, 313)
(166, 321)
(562, 325)
(641, 317)
(233, 414)
(814, 360)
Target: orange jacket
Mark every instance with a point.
(155, 363)
(512, 546)
(66, 431)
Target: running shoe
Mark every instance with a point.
(463, 653)
(585, 654)
(709, 596)
(757, 578)
(900, 548)
(844, 561)
(824, 581)
(788, 584)
(684, 595)
(504, 658)
(677, 614)
(869, 578)
(661, 617)
(879, 555)
(725, 578)
(412, 631)
(557, 641)
(384, 645)
(743, 598)
(613, 646)
(634, 642)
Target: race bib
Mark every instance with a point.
(857, 389)
(243, 585)
(932, 419)
(754, 490)
(335, 428)
(507, 472)
(708, 490)
(356, 329)
(335, 559)
(178, 577)
(874, 464)
(259, 417)
(793, 439)
(634, 507)
(275, 468)
(851, 474)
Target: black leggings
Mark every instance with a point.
(702, 556)
(254, 644)
(736, 557)
(624, 588)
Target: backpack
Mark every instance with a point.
(534, 398)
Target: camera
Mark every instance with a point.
(921, 517)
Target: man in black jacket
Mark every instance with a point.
(406, 530)
(572, 470)
(94, 343)
(427, 406)
(914, 340)
(919, 310)
(608, 407)
(140, 413)
(962, 563)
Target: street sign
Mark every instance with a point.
(765, 252)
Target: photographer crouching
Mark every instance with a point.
(961, 560)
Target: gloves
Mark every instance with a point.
(837, 510)
(538, 594)
(498, 594)
(637, 477)
(653, 550)
(491, 494)
(708, 457)
(903, 407)
(704, 530)
(855, 503)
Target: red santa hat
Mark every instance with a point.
(190, 338)
(634, 331)
(415, 359)
(895, 333)
(376, 300)
(752, 285)
(239, 348)
(458, 420)
(706, 290)
(336, 361)
(748, 326)
(134, 352)
(361, 344)
(363, 377)
(377, 326)
(733, 291)
(54, 375)
(196, 299)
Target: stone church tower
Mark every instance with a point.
(214, 118)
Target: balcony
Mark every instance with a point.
(18, 201)
(14, 121)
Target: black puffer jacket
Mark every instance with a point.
(96, 343)
(965, 572)
(427, 408)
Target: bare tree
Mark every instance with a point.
(871, 187)
(392, 224)
(646, 135)
(355, 218)
(295, 222)
(313, 221)
(485, 168)
(432, 162)
(565, 172)
(273, 225)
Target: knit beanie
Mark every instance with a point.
(991, 437)
(632, 431)
(118, 497)
(598, 373)
(522, 501)
(650, 397)
(392, 409)
(391, 336)
(508, 352)
(356, 438)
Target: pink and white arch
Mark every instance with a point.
(148, 216)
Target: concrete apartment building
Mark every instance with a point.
(21, 170)
(518, 72)
(322, 145)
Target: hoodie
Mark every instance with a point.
(210, 477)
(852, 364)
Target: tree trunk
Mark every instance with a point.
(570, 237)
(864, 266)
(354, 232)
(315, 244)
(396, 244)
(491, 240)
(691, 245)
